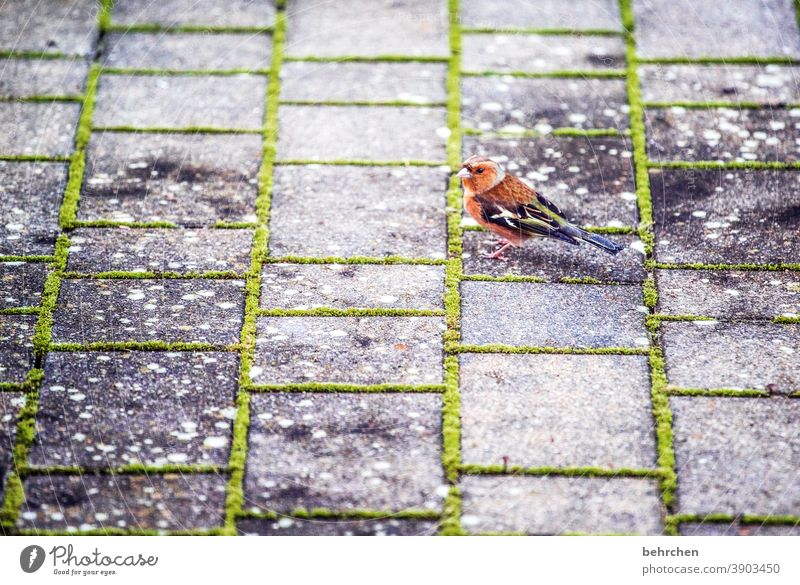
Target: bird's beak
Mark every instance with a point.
(464, 174)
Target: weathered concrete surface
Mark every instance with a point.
(749, 467)
(16, 346)
(21, 284)
(195, 12)
(286, 526)
(342, 452)
(581, 14)
(37, 128)
(43, 77)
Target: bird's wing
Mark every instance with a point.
(527, 218)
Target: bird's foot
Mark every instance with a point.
(500, 242)
(498, 254)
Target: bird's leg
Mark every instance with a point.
(500, 242)
(498, 254)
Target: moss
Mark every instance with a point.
(363, 162)
(39, 258)
(763, 520)
(499, 348)
(785, 320)
(353, 260)
(364, 103)
(451, 518)
(567, 74)
(560, 471)
(662, 415)
(47, 99)
(329, 312)
(708, 164)
(781, 267)
(473, 30)
(677, 391)
(235, 225)
(650, 293)
(182, 130)
(72, 193)
(52, 286)
(20, 311)
(34, 158)
(346, 388)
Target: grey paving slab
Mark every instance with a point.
(16, 347)
(188, 51)
(55, 26)
(38, 128)
(541, 53)
(368, 211)
(736, 455)
(110, 409)
(552, 314)
(732, 355)
(553, 259)
(195, 13)
(10, 405)
(286, 526)
(692, 28)
(590, 179)
(373, 82)
(187, 179)
(763, 84)
(348, 350)
(580, 15)
(726, 216)
(30, 198)
(42, 77)
(736, 529)
(181, 101)
(729, 294)
(367, 28)
(375, 133)
(512, 104)
(557, 505)
(135, 502)
(722, 134)
(344, 452)
(159, 250)
(362, 286)
(531, 409)
(147, 310)
(21, 284)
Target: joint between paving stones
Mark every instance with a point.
(590, 32)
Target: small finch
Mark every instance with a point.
(505, 205)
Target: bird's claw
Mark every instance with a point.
(498, 254)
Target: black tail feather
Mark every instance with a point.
(600, 242)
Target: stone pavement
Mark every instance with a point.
(240, 295)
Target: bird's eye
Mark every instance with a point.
(479, 170)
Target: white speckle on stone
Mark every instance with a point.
(215, 442)
(285, 423)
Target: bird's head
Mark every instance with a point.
(479, 174)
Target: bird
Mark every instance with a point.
(505, 205)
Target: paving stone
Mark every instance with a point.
(110, 409)
(363, 286)
(736, 455)
(375, 133)
(703, 354)
(735, 529)
(729, 294)
(55, 26)
(764, 84)
(590, 179)
(722, 134)
(188, 179)
(727, 216)
(38, 128)
(10, 405)
(367, 28)
(368, 211)
(532, 410)
(16, 347)
(344, 452)
(349, 350)
(286, 526)
(195, 13)
(577, 15)
(136, 502)
(552, 314)
(42, 77)
(149, 310)
(374, 82)
(553, 259)
(159, 250)
(557, 505)
(30, 198)
(692, 28)
(21, 284)
(513, 104)
(541, 53)
(188, 51)
(235, 101)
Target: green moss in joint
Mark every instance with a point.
(560, 471)
(568, 74)
(500, 348)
